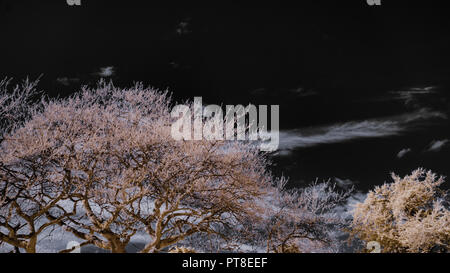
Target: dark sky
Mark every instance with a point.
(356, 84)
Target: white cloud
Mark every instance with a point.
(106, 71)
(302, 92)
(297, 92)
(412, 95)
(437, 145)
(347, 131)
(183, 28)
(403, 152)
(259, 91)
(344, 183)
(67, 81)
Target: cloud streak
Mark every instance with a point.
(437, 145)
(342, 132)
(403, 152)
(302, 92)
(344, 183)
(66, 81)
(413, 94)
(105, 72)
(183, 28)
(414, 97)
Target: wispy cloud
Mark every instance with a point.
(403, 152)
(414, 91)
(105, 72)
(437, 145)
(412, 95)
(259, 91)
(342, 132)
(302, 92)
(293, 92)
(183, 28)
(67, 81)
(344, 183)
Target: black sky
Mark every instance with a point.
(323, 62)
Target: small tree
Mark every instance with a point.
(409, 215)
(304, 220)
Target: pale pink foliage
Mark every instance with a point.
(16, 104)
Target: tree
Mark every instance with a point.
(27, 192)
(16, 104)
(103, 165)
(409, 215)
(110, 168)
(304, 219)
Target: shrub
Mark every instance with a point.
(408, 215)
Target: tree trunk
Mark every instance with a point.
(120, 248)
(31, 245)
(117, 246)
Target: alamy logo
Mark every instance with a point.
(374, 2)
(73, 2)
(209, 124)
